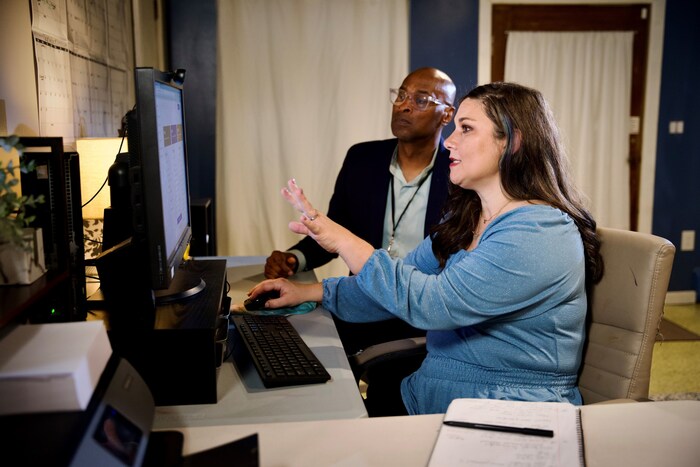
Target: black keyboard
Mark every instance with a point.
(280, 356)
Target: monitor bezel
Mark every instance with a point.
(144, 168)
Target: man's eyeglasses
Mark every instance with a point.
(420, 101)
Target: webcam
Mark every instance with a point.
(178, 76)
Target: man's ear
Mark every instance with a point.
(447, 116)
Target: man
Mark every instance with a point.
(388, 192)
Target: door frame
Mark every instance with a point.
(651, 92)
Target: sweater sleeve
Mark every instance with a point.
(519, 264)
(343, 297)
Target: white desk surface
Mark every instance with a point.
(639, 434)
(241, 396)
(642, 434)
(383, 441)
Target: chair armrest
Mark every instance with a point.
(389, 350)
(619, 401)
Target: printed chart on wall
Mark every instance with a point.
(83, 59)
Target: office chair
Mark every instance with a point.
(625, 312)
(626, 307)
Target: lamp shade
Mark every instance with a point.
(96, 155)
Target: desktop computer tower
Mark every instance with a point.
(178, 347)
(57, 178)
(203, 238)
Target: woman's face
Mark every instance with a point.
(474, 150)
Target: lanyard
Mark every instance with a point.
(395, 223)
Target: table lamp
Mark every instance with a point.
(96, 156)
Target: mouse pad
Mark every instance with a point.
(296, 310)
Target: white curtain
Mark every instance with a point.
(586, 77)
(300, 81)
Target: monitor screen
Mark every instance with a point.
(172, 166)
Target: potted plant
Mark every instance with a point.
(21, 248)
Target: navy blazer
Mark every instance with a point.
(359, 198)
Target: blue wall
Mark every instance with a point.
(444, 34)
(677, 187)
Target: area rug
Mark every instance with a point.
(670, 331)
(680, 396)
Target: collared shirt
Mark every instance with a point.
(409, 231)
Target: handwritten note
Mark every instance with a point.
(458, 446)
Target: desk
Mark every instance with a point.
(639, 434)
(242, 398)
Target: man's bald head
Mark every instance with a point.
(441, 79)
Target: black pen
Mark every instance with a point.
(502, 428)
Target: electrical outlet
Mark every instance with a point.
(688, 240)
(676, 127)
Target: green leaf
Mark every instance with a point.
(13, 216)
(10, 142)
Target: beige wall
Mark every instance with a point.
(19, 112)
(149, 36)
(18, 96)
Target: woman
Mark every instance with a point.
(500, 284)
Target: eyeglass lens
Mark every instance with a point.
(398, 96)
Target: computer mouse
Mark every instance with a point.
(258, 303)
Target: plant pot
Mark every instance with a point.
(22, 265)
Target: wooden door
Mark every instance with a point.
(586, 18)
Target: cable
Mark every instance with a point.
(121, 143)
(92, 240)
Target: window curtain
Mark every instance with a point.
(586, 78)
(300, 81)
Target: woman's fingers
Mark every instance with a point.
(295, 196)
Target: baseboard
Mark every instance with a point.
(680, 297)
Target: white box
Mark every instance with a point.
(51, 367)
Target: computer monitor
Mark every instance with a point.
(158, 174)
(158, 189)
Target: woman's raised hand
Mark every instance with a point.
(312, 222)
(333, 237)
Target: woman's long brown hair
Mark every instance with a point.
(537, 170)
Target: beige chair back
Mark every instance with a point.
(626, 306)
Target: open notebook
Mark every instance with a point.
(528, 443)
(624, 432)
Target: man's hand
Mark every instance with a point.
(280, 264)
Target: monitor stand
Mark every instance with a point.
(185, 284)
(120, 272)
